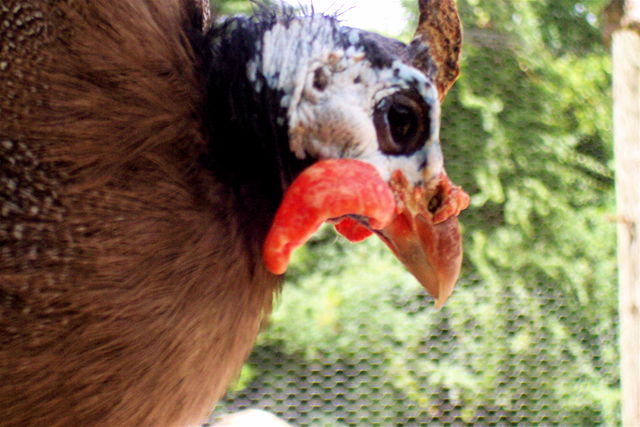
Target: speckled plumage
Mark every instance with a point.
(115, 308)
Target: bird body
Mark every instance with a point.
(97, 331)
(143, 160)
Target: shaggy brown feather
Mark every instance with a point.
(115, 305)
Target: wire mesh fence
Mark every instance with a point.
(372, 389)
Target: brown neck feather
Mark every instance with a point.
(129, 296)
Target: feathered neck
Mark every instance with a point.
(247, 131)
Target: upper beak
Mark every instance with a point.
(425, 234)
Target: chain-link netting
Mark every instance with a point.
(371, 389)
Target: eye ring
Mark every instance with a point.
(402, 122)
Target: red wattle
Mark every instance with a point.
(352, 230)
(327, 189)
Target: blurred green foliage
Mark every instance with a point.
(530, 333)
(230, 7)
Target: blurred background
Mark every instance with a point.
(529, 335)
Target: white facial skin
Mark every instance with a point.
(334, 119)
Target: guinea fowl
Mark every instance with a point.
(157, 171)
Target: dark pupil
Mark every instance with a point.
(402, 122)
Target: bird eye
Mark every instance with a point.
(402, 123)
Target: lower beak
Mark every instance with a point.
(425, 234)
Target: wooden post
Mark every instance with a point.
(626, 111)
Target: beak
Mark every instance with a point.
(425, 234)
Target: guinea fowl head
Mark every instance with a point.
(324, 122)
